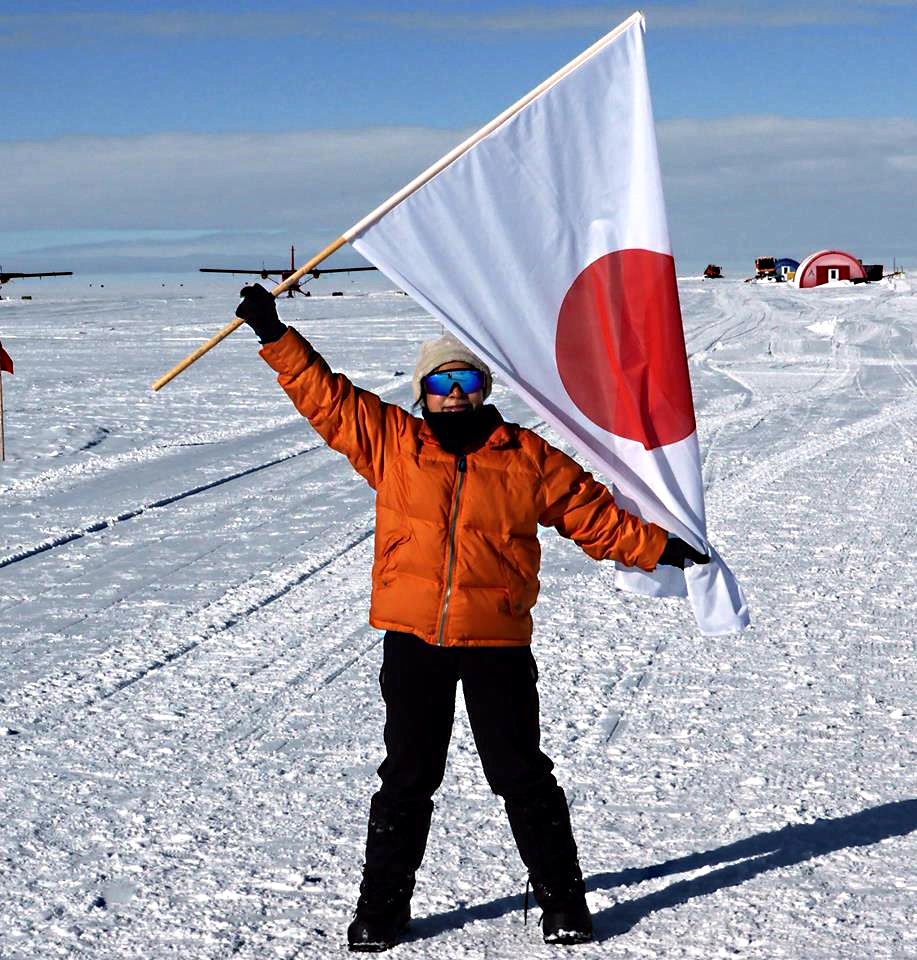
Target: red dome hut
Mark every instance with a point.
(827, 265)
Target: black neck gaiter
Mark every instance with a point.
(465, 431)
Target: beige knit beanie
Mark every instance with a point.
(445, 349)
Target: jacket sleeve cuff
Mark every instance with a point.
(657, 538)
(289, 354)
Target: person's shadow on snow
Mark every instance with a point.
(744, 859)
(755, 855)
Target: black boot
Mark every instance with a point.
(565, 917)
(383, 912)
(396, 838)
(544, 837)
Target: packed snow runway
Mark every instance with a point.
(189, 711)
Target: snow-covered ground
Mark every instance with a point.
(189, 709)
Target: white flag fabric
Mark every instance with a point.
(543, 245)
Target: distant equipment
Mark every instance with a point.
(786, 268)
(874, 271)
(765, 268)
(774, 270)
(712, 272)
(284, 272)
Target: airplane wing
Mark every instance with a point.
(264, 273)
(319, 271)
(6, 276)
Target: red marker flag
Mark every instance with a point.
(542, 243)
(6, 361)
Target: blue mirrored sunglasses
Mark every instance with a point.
(441, 384)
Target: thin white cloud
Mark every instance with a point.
(905, 163)
(103, 26)
(732, 185)
(787, 186)
(100, 27)
(308, 186)
(599, 19)
(209, 181)
(787, 13)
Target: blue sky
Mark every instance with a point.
(145, 135)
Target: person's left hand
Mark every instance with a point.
(677, 553)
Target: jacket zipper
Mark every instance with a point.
(460, 467)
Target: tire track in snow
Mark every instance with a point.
(331, 665)
(627, 685)
(97, 526)
(723, 327)
(834, 376)
(730, 491)
(230, 618)
(712, 428)
(897, 362)
(133, 556)
(187, 631)
(836, 369)
(92, 470)
(100, 525)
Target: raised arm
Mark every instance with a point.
(352, 421)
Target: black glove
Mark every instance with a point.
(259, 310)
(677, 552)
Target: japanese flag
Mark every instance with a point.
(542, 243)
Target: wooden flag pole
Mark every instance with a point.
(2, 425)
(235, 323)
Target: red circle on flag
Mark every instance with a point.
(620, 348)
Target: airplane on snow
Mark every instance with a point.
(284, 272)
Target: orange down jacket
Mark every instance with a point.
(456, 544)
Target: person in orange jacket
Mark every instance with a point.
(459, 497)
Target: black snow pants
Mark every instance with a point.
(418, 684)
